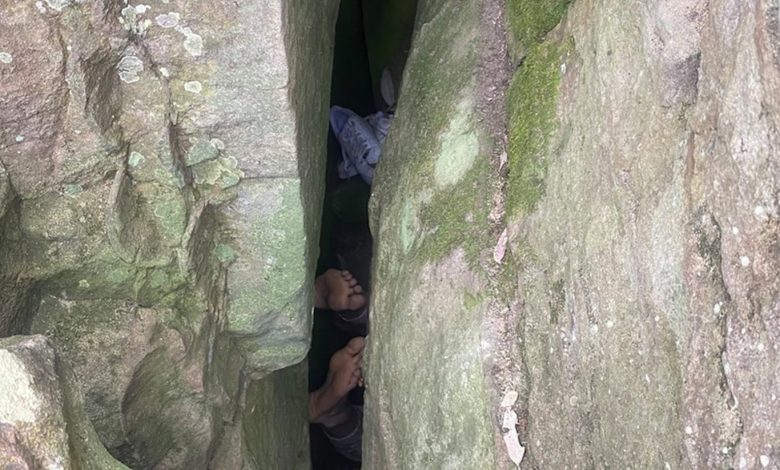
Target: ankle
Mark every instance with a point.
(334, 417)
(321, 413)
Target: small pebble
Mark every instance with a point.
(744, 261)
(19, 138)
(764, 460)
(688, 430)
(6, 58)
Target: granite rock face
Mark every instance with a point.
(42, 423)
(160, 190)
(578, 202)
(616, 267)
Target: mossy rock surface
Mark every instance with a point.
(427, 403)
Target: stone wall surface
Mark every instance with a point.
(578, 202)
(617, 267)
(42, 421)
(160, 192)
(428, 400)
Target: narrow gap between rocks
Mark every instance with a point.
(371, 44)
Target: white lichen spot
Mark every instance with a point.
(128, 12)
(20, 402)
(759, 211)
(193, 43)
(744, 261)
(764, 459)
(218, 144)
(657, 318)
(688, 430)
(6, 58)
(19, 138)
(735, 230)
(742, 462)
(40, 6)
(716, 308)
(610, 323)
(724, 450)
(164, 72)
(594, 329)
(760, 347)
(459, 146)
(84, 284)
(135, 159)
(131, 21)
(193, 87)
(129, 68)
(168, 20)
(57, 4)
(141, 9)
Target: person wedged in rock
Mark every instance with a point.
(337, 290)
(342, 422)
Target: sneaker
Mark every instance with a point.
(360, 149)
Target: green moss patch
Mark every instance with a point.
(531, 108)
(530, 20)
(457, 217)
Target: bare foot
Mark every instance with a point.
(338, 290)
(344, 374)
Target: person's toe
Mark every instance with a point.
(356, 345)
(357, 301)
(352, 282)
(357, 289)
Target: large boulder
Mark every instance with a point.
(644, 231)
(161, 177)
(42, 422)
(429, 404)
(615, 268)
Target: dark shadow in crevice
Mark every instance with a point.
(372, 38)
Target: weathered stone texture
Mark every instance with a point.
(649, 311)
(635, 307)
(42, 424)
(428, 403)
(161, 177)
